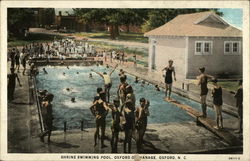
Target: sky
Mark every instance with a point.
(232, 15)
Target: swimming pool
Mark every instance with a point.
(83, 89)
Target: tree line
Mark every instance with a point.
(147, 19)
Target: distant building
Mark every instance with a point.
(43, 17)
(196, 40)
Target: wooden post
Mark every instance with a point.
(82, 125)
(182, 85)
(65, 126)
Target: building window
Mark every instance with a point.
(231, 47)
(198, 47)
(207, 47)
(227, 47)
(203, 47)
(235, 47)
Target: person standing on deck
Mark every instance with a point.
(142, 113)
(239, 105)
(168, 78)
(48, 116)
(217, 101)
(12, 83)
(135, 61)
(17, 60)
(107, 81)
(12, 57)
(100, 110)
(128, 126)
(202, 81)
(115, 127)
(121, 92)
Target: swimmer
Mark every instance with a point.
(63, 73)
(77, 72)
(157, 88)
(107, 81)
(67, 67)
(136, 80)
(143, 83)
(107, 66)
(90, 75)
(45, 72)
(73, 99)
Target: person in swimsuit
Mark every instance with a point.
(44, 70)
(100, 111)
(168, 77)
(141, 113)
(12, 83)
(128, 126)
(239, 104)
(202, 81)
(121, 92)
(217, 101)
(107, 81)
(48, 116)
(115, 128)
(17, 59)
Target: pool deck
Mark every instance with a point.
(187, 137)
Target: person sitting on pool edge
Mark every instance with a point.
(107, 81)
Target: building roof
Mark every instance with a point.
(206, 24)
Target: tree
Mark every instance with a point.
(19, 19)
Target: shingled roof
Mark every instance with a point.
(206, 24)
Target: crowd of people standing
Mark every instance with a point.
(126, 116)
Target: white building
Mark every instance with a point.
(196, 40)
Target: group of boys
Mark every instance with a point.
(125, 116)
(203, 80)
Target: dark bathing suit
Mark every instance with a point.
(204, 89)
(217, 95)
(100, 111)
(168, 77)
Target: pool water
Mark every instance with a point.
(84, 88)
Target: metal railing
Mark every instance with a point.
(38, 105)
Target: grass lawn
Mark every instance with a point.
(136, 37)
(108, 46)
(229, 85)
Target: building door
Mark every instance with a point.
(153, 58)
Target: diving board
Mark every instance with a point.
(208, 123)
